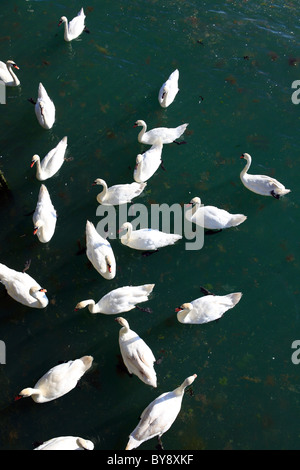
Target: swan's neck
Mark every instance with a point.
(142, 132)
(247, 166)
(14, 76)
(40, 297)
(90, 303)
(66, 30)
(182, 314)
(195, 208)
(127, 236)
(38, 169)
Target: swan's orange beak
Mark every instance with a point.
(242, 156)
(178, 309)
(135, 125)
(35, 231)
(18, 397)
(60, 22)
(16, 67)
(43, 290)
(31, 164)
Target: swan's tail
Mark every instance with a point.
(5, 272)
(87, 361)
(132, 443)
(181, 129)
(237, 219)
(235, 298)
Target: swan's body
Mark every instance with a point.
(207, 308)
(119, 193)
(118, 300)
(44, 108)
(147, 239)
(66, 443)
(75, 27)
(44, 217)
(169, 90)
(261, 184)
(166, 134)
(211, 217)
(7, 74)
(159, 415)
(148, 162)
(137, 356)
(52, 162)
(58, 381)
(99, 252)
(23, 288)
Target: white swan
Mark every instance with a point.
(211, 217)
(169, 90)
(44, 108)
(119, 193)
(99, 252)
(148, 162)
(206, 309)
(58, 381)
(159, 415)
(261, 184)
(147, 239)
(52, 162)
(75, 27)
(23, 288)
(66, 443)
(7, 74)
(167, 135)
(137, 356)
(118, 300)
(44, 217)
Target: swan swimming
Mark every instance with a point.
(159, 416)
(52, 162)
(44, 217)
(137, 356)
(169, 90)
(261, 184)
(148, 162)
(206, 309)
(122, 299)
(167, 135)
(75, 27)
(119, 193)
(58, 381)
(147, 239)
(44, 108)
(99, 252)
(66, 443)
(23, 288)
(7, 75)
(211, 217)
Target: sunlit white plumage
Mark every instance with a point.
(148, 162)
(23, 288)
(147, 238)
(137, 356)
(75, 27)
(119, 193)
(58, 381)
(52, 162)
(99, 252)
(169, 90)
(167, 134)
(44, 217)
(7, 75)
(159, 415)
(261, 184)
(66, 443)
(44, 108)
(211, 217)
(207, 308)
(122, 299)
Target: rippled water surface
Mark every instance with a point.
(237, 62)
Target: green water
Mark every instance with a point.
(237, 61)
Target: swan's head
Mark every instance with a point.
(246, 156)
(11, 63)
(80, 305)
(195, 201)
(62, 20)
(108, 263)
(37, 225)
(189, 380)
(34, 159)
(124, 323)
(139, 122)
(84, 444)
(99, 181)
(35, 290)
(186, 306)
(138, 160)
(26, 392)
(126, 226)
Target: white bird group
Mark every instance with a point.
(137, 356)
